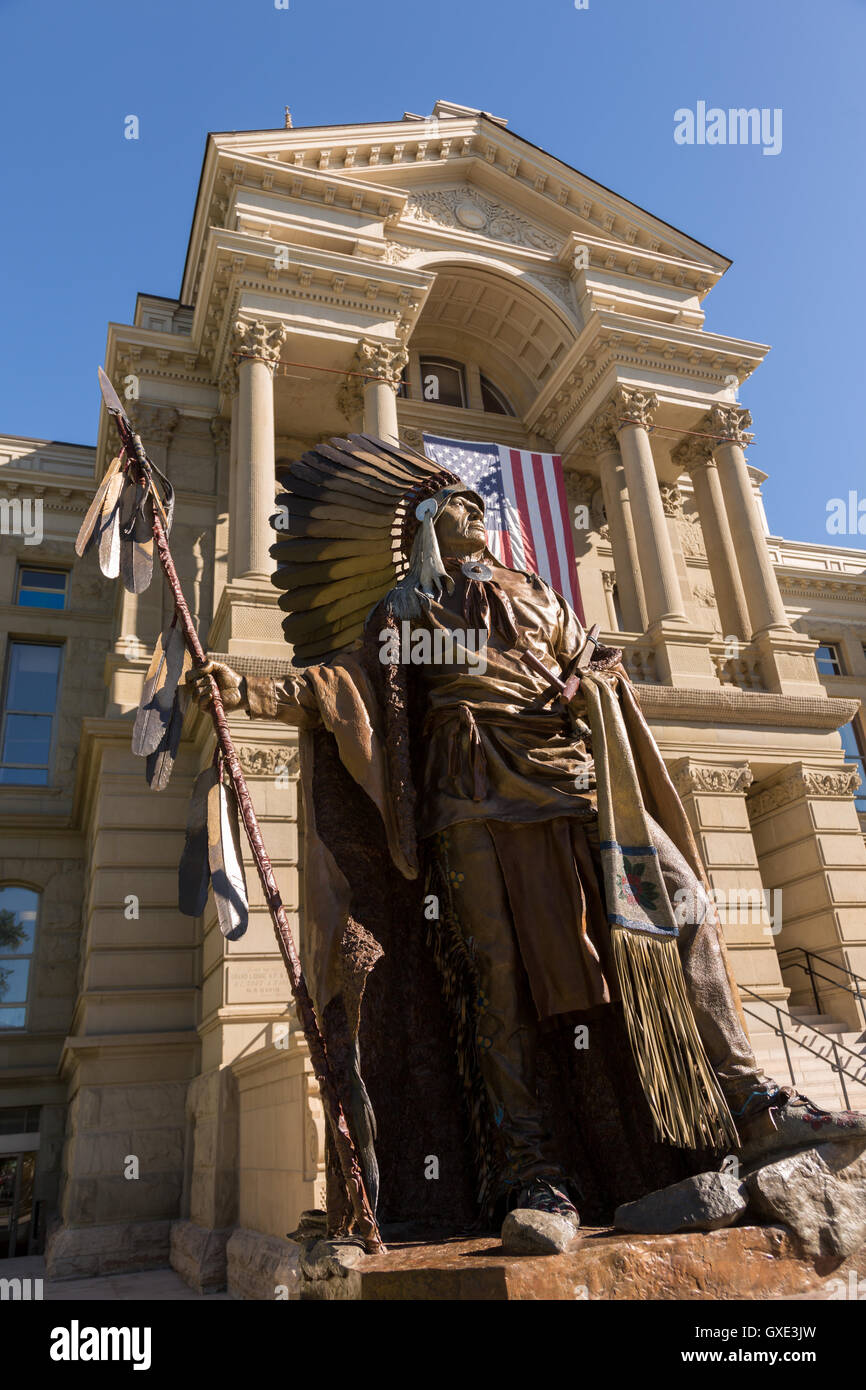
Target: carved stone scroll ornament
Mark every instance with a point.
(691, 777)
(672, 500)
(458, 207)
(267, 762)
(805, 782)
(155, 423)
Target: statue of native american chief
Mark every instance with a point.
(484, 804)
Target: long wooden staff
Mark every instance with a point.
(346, 1152)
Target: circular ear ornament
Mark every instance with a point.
(476, 569)
(426, 508)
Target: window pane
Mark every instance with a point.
(33, 679)
(27, 740)
(493, 399)
(24, 776)
(13, 981)
(12, 1018)
(827, 660)
(18, 909)
(442, 382)
(41, 588)
(853, 754)
(22, 1119)
(43, 579)
(36, 598)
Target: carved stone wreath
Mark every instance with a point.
(461, 207)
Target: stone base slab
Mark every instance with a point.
(744, 1262)
(262, 1267)
(199, 1255)
(85, 1252)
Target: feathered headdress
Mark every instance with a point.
(349, 535)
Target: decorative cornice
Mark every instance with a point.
(261, 341)
(731, 424)
(730, 705)
(804, 781)
(689, 777)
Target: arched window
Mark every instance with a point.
(493, 399)
(19, 912)
(443, 381)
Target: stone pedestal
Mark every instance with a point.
(741, 1263)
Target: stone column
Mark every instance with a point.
(258, 345)
(221, 433)
(630, 414)
(714, 798)
(382, 365)
(730, 424)
(599, 439)
(695, 457)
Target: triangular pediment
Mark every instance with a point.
(514, 191)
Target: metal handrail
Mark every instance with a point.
(810, 970)
(836, 1065)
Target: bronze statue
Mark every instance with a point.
(506, 755)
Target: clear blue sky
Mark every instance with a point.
(91, 218)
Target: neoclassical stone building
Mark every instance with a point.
(438, 274)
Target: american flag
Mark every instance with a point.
(525, 507)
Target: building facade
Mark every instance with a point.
(438, 274)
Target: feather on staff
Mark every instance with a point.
(227, 877)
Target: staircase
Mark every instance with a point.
(801, 1041)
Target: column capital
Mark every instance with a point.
(799, 780)
(599, 436)
(695, 450)
(257, 339)
(382, 361)
(731, 425)
(629, 405)
(689, 777)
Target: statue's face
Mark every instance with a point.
(460, 527)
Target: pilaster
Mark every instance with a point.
(810, 846)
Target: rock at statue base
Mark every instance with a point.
(706, 1202)
(819, 1193)
(526, 1232)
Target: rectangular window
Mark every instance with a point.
(828, 660)
(29, 707)
(853, 746)
(39, 588)
(19, 909)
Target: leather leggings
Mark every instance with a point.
(508, 1020)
